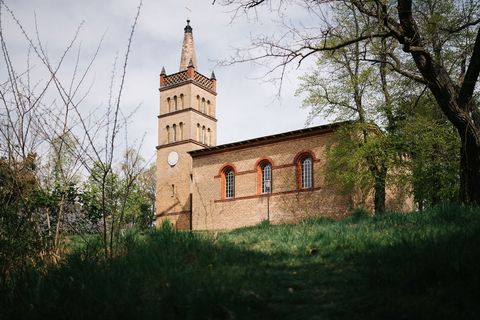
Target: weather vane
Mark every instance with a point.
(189, 11)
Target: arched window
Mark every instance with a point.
(174, 127)
(266, 170)
(182, 102)
(168, 134)
(307, 172)
(169, 104)
(198, 132)
(198, 102)
(204, 135)
(209, 108)
(203, 105)
(175, 103)
(304, 167)
(228, 183)
(180, 131)
(209, 137)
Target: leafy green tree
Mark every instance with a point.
(432, 145)
(121, 198)
(345, 86)
(147, 182)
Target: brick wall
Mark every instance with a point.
(287, 202)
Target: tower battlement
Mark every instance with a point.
(188, 76)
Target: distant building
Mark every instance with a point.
(280, 178)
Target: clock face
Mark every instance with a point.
(172, 158)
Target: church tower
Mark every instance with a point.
(186, 122)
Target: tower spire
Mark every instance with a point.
(188, 49)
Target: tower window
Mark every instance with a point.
(180, 133)
(198, 102)
(174, 139)
(198, 132)
(209, 137)
(209, 108)
(175, 103)
(203, 105)
(169, 104)
(168, 134)
(204, 135)
(182, 102)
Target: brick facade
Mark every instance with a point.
(288, 201)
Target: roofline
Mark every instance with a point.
(267, 139)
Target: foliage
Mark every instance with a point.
(395, 266)
(20, 241)
(347, 166)
(406, 140)
(345, 85)
(432, 144)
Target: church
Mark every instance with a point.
(205, 186)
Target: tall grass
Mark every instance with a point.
(397, 266)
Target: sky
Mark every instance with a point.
(247, 104)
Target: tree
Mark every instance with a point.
(30, 125)
(147, 183)
(343, 86)
(432, 144)
(426, 32)
(21, 242)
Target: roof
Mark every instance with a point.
(268, 139)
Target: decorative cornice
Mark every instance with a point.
(297, 134)
(184, 77)
(186, 110)
(177, 143)
(187, 82)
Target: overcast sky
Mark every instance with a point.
(247, 107)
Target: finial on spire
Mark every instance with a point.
(163, 71)
(212, 77)
(188, 28)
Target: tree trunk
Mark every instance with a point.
(379, 173)
(456, 101)
(469, 171)
(379, 197)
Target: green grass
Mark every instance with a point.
(392, 266)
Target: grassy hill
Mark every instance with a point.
(394, 266)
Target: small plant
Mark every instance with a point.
(360, 213)
(264, 224)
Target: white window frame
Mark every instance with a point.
(307, 172)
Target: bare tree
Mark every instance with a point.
(79, 139)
